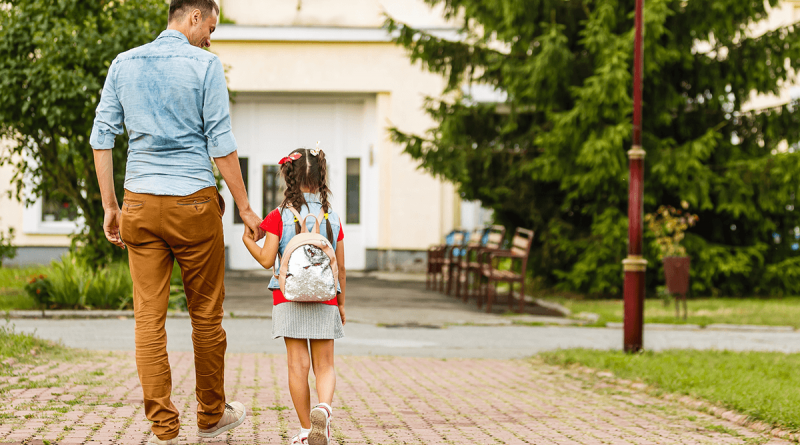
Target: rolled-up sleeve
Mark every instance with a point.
(216, 112)
(109, 115)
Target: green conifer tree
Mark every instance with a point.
(552, 157)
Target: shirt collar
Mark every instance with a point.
(311, 197)
(172, 33)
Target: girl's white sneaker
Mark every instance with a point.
(320, 425)
(300, 439)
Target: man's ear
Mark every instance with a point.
(197, 17)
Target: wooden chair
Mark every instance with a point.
(450, 256)
(461, 260)
(436, 257)
(491, 240)
(518, 252)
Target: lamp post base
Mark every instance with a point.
(633, 323)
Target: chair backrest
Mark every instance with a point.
(522, 241)
(460, 241)
(495, 236)
(476, 238)
(454, 238)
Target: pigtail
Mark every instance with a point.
(293, 195)
(310, 172)
(324, 191)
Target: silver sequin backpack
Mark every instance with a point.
(308, 270)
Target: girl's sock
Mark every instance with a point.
(304, 432)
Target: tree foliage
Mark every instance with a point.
(552, 157)
(7, 249)
(54, 56)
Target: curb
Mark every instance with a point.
(110, 314)
(711, 327)
(103, 314)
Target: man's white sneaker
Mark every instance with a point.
(234, 415)
(155, 440)
(320, 425)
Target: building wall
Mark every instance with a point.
(12, 214)
(340, 13)
(786, 13)
(382, 69)
(32, 248)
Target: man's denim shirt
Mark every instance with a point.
(173, 100)
(289, 230)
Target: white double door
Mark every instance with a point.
(268, 128)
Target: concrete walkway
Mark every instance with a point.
(97, 400)
(382, 298)
(496, 342)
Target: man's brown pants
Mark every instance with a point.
(157, 231)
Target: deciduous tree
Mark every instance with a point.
(54, 56)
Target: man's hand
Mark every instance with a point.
(229, 169)
(252, 224)
(111, 222)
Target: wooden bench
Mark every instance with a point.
(518, 253)
(474, 256)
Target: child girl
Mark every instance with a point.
(305, 173)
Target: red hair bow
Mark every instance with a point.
(290, 158)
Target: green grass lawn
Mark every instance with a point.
(23, 347)
(762, 385)
(702, 311)
(12, 287)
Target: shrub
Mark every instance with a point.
(39, 289)
(73, 284)
(7, 250)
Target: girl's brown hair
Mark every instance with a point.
(310, 172)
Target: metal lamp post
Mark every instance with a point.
(635, 264)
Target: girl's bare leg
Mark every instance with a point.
(322, 360)
(299, 364)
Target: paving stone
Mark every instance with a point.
(379, 400)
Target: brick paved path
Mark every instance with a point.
(97, 400)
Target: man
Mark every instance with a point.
(172, 97)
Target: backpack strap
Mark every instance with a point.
(316, 224)
(322, 216)
(299, 219)
(275, 267)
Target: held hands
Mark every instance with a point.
(111, 222)
(252, 225)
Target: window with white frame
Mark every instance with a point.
(51, 214)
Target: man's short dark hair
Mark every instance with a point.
(178, 7)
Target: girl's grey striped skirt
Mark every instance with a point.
(316, 321)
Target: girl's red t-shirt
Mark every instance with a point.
(273, 224)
